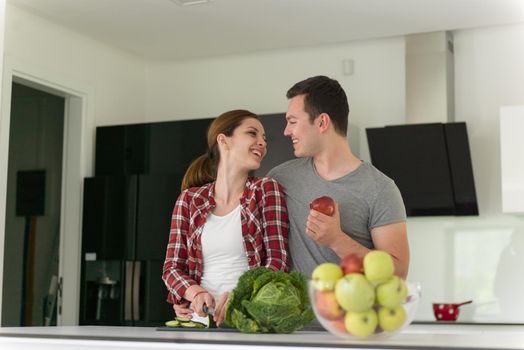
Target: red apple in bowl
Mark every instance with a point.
(352, 263)
(327, 305)
(339, 325)
(324, 204)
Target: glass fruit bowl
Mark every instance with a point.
(334, 319)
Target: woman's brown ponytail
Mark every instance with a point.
(204, 169)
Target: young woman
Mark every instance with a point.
(224, 221)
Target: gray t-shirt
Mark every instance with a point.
(366, 198)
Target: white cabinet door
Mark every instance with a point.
(512, 158)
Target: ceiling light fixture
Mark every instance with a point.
(191, 2)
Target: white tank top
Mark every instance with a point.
(223, 252)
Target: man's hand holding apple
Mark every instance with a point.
(323, 228)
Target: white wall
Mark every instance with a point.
(258, 82)
(117, 78)
(455, 258)
(489, 73)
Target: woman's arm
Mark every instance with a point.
(276, 225)
(175, 271)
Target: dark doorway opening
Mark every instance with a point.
(33, 206)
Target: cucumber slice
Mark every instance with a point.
(183, 319)
(189, 323)
(192, 324)
(173, 323)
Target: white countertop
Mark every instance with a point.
(418, 336)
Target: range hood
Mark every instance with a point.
(431, 165)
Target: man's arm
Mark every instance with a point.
(393, 239)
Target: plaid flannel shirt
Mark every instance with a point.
(264, 223)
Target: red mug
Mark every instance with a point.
(447, 312)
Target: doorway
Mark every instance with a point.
(33, 206)
(78, 142)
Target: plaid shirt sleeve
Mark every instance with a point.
(276, 223)
(175, 273)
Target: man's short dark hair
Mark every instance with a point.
(323, 95)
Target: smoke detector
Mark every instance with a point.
(191, 2)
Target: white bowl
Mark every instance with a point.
(410, 306)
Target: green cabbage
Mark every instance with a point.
(266, 301)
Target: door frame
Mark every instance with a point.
(78, 145)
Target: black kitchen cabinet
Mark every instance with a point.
(124, 293)
(126, 223)
(153, 308)
(174, 145)
(109, 217)
(122, 150)
(156, 198)
(152, 148)
(128, 217)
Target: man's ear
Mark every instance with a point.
(323, 121)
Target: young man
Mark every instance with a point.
(369, 211)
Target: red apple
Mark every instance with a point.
(327, 306)
(324, 204)
(352, 263)
(339, 325)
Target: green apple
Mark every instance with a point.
(391, 293)
(391, 319)
(325, 276)
(354, 292)
(378, 266)
(361, 324)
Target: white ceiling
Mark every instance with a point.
(163, 30)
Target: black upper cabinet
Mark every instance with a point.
(152, 148)
(169, 147)
(122, 150)
(174, 145)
